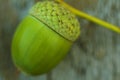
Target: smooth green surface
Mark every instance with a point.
(36, 49)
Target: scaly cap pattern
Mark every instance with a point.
(58, 18)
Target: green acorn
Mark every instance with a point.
(44, 37)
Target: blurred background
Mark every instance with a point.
(94, 56)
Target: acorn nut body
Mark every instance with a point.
(44, 37)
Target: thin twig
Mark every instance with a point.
(91, 18)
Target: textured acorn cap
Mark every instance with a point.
(58, 18)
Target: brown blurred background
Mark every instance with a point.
(94, 56)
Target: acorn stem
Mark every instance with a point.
(91, 18)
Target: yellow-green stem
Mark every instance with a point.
(91, 18)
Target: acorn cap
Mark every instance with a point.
(57, 18)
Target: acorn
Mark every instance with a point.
(44, 37)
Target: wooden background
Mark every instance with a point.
(94, 56)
